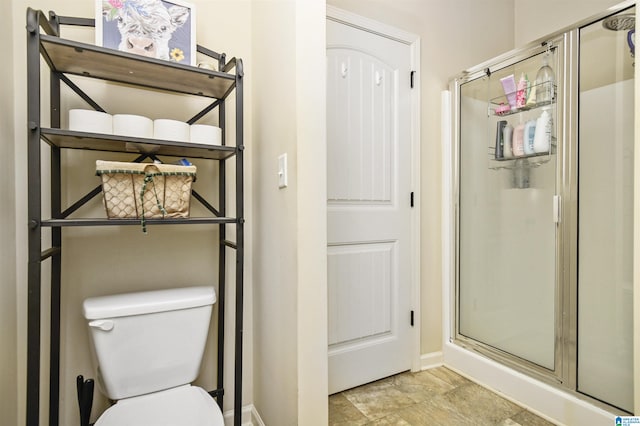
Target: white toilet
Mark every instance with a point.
(148, 347)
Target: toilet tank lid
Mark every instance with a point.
(147, 302)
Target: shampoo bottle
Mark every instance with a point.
(509, 87)
(529, 134)
(531, 93)
(507, 136)
(542, 138)
(518, 140)
(521, 92)
(499, 150)
(545, 82)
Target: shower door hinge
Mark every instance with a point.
(411, 319)
(411, 201)
(413, 73)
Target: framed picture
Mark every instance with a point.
(163, 29)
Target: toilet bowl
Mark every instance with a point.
(148, 347)
(184, 405)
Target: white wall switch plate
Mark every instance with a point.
(282, 171)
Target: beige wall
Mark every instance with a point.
(106, 260)
(537, 18)
(312, 213)
(290, 239)
(636, 249)
(8, 314)
(454, 36)
(275, 213)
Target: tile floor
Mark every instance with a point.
(433, 397)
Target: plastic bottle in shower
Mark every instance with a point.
(518, 140)
(499, 150)
(545, 82)
(507, 136)
(528, 136)
(521, 92)
(542, 138)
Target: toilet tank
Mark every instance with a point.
(149, 341)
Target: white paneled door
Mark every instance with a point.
(368, 206)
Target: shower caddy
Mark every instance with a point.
(66, 57)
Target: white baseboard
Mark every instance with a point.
(431, 360)
(250, 417)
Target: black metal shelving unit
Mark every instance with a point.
(66, 58)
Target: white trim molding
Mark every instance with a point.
(370, 25)
(431, 360)
(250, 417)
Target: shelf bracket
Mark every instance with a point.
(205, 203)
(49, 252)
(204, 112)
(80, 93)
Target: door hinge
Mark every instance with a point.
(411, 318)
(413, 73)
(412, 199)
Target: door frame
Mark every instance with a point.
(413, 41)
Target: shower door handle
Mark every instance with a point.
(556, 209)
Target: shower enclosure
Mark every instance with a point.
(543, 170)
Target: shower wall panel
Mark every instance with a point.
(605, 250)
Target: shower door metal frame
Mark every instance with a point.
(570, 205)
(568, 286)
(513, 57)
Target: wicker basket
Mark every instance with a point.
(145, 190)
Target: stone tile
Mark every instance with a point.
(508, 422)
(421, 386)
(432, 412)
(449, 376)
(527, 418)
(379, 399)
(390, 420)
(433, 397)
(343, 412)
(479, 404)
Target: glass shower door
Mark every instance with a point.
(507, 229)
(605, 210)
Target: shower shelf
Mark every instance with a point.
(529, 162)
(498, 109)
(533, 160)
(502, 101)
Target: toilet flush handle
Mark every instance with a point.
(104, 325)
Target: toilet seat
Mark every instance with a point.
(182, 406)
